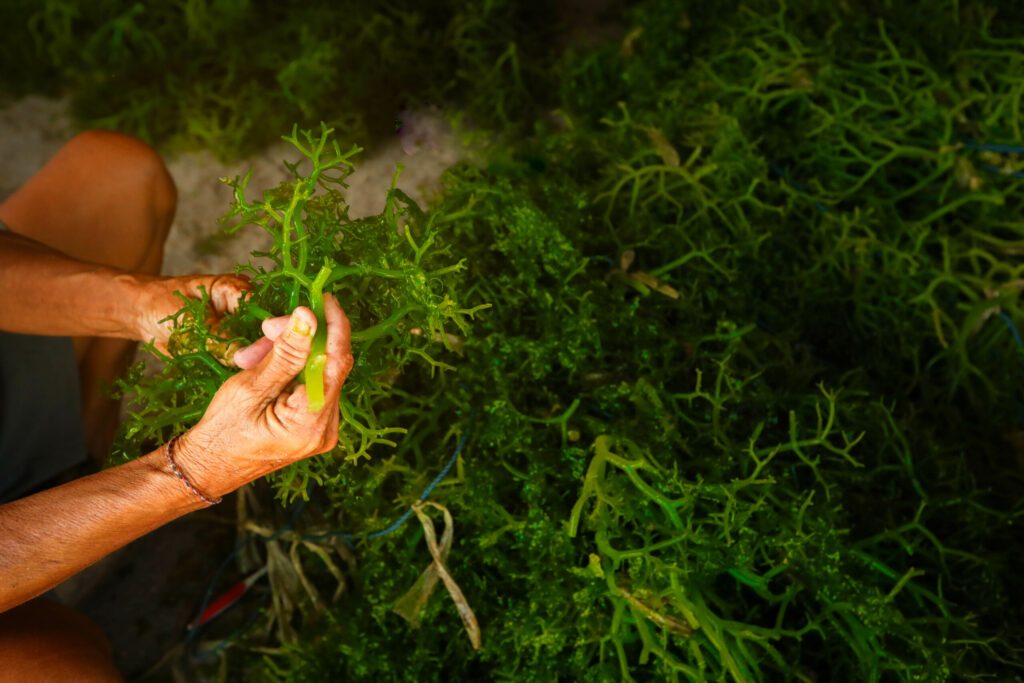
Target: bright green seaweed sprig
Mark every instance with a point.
(392, 273)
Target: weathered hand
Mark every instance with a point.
(158, 302)
(258, 421)
(251, 355)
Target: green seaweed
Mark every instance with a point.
(746, 405)
(229, 75)
(397, 293)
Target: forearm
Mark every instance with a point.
(45, 292)
(48, 537)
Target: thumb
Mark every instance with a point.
(289, 356)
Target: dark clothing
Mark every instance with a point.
(41, 433)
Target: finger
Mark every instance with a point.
(289, 355)
(227, 291)
(224, 291)
(331, 432)
(223, 351)
(339, 349)
(298, 400)
(273, 327)
(251, 355)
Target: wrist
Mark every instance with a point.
(203, 467)
(134, 296)
(210, 467)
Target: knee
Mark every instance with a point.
(44, 641)
(136, 171)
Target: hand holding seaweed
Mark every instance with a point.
(392, 274)
(161, 298)
(256, 424)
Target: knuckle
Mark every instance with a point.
(239, 282)
(238, 384)
(252, 389)
(288, 352)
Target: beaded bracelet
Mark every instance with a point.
(169, 450)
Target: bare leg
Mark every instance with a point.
(105, 198)
(43, 642)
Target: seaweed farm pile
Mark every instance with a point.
(708, 363)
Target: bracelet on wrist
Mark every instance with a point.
(169, 451)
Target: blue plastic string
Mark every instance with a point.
(994, 147)
(995, 169)
(999, 148)
(397, 524)
(347, 536)
(1013, 329)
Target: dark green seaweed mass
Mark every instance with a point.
(746, 404)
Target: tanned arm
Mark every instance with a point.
(43, 291)
(52, 535)
(256, 423)
(46, 292)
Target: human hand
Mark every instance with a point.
(251, 355)
(257, 422)
(158, 301)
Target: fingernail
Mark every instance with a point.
(300, 326)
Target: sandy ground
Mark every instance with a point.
(143, 596)
(34, 128)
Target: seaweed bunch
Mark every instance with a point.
(746, 406)
(746, 401)
(229, 75)
(394, 274)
